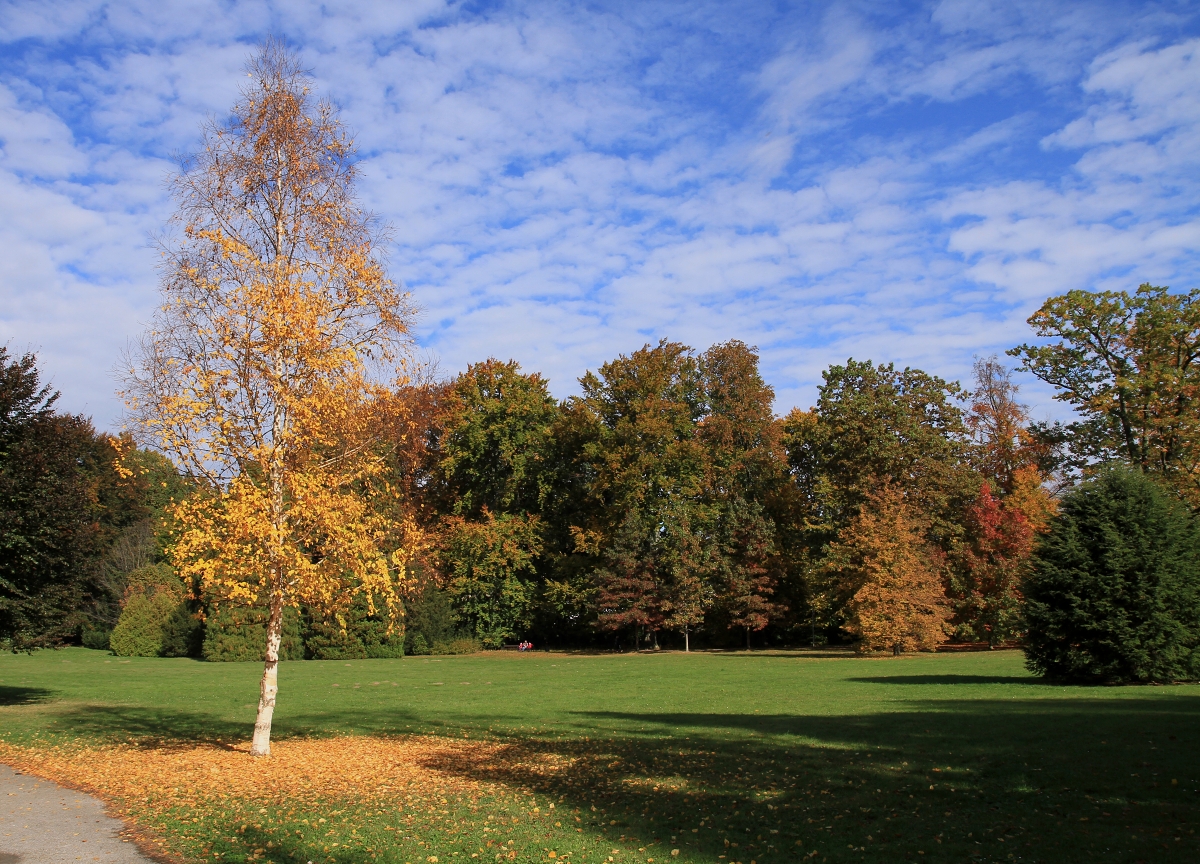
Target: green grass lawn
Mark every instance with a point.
(947, 757)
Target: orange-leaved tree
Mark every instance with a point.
(1003, 447)
(887, 577)
(1000, 539)
(269, 366)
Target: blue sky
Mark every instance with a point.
(900, 182)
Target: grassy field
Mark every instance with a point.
(724, 757)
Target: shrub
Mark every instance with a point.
(183, 633)
(152, 596)
(96, 637)
(151, 578)
(141, 627)
(1114, 588)
(459, 645)
(238, 633)
(429, 619)
(359, 634)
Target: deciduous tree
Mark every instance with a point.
(490, 567)
(992, 562)
(647, 474)
(746, 473)
(494, 424)
(1130, 364)
(745, 565)
(269, 367)
(888, 576)
(62, 503)
(877, 424)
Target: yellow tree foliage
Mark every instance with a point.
(269, 369)
(889, 577)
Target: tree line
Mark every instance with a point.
(663, 505)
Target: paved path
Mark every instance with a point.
(41, 823)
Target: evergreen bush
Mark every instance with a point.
(153, 594)
(183, 633)
(363, 635)
(96, 638)
(235, 634)
(429, 620)
(1113, 593)
(141, 627)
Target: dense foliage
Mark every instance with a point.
(234, 634)
(666, 504)
(1113, 592)
(62, 504)
(1130, 365)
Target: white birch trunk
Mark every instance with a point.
(269, 687)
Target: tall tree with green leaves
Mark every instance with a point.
(495, 421)
(1129, 364)
(491, 568)
(746, 471)
(494, 428)
(647, 480)
(877, 427)
(876, 424)
(62, 502)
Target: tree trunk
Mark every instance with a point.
(269, 687)
(747, 638)
(686, 646)
(261, 745)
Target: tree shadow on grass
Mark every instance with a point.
(1025, 681)
(173, 727)
(152, 726)
(964, 771)
(24, 695)
(1032, 771)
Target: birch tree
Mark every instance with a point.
(268, 366)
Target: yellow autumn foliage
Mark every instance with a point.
(271, 364)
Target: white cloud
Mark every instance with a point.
(566, 183)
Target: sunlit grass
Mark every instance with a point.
(727, 757)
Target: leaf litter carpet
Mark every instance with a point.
(162, 789)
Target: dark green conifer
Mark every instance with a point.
(1114, 589)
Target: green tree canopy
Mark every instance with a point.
(490, 565)
(1130, 365)
(647, 476)
(495, 421)
(873, 425)
(61, 503)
